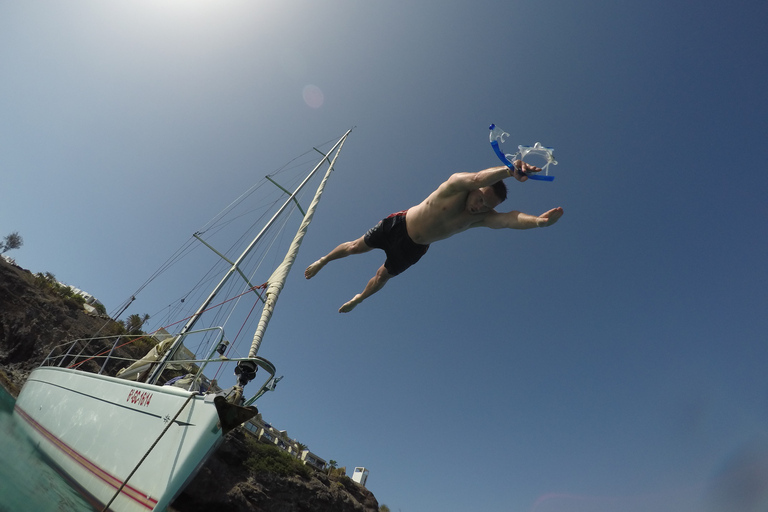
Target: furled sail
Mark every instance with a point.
(277, 279)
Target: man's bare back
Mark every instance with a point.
(464, 201)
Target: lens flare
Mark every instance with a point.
(313, 96)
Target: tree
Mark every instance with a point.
(12, 241)
(134, 323)
(383, 508)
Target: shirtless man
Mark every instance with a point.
(466, 200)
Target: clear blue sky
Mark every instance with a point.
(615, 361)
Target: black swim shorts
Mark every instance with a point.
(391, 235)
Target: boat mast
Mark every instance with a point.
(235, 266)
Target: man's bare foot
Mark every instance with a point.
(550, 217)
(349, 306)
(313, 269)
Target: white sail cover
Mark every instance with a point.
(276, 281)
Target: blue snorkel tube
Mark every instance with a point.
(498, 135)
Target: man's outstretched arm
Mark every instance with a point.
(519, 220)
(466, 181)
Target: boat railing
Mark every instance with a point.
(75, 353)
(107, 355)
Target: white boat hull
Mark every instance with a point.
(96, 429)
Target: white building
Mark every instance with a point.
(360, 476)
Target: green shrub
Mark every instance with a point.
(72, 303)
(268, 458)
(48, 282)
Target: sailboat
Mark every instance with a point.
(131, 442)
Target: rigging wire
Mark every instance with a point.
(292, 174)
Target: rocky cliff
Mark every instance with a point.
(218, 487)
(33, 320)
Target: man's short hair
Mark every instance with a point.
(500, 189)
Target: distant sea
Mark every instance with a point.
(27, 483)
